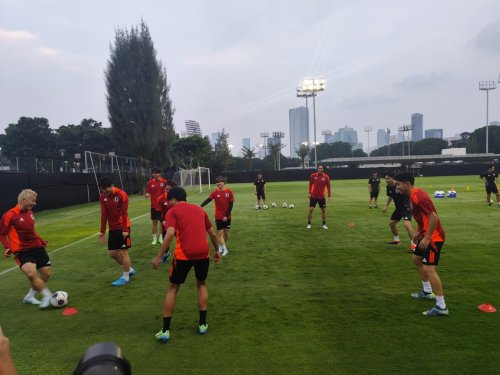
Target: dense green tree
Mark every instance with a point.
(222, 154)
(476, 144)
(30, 137)
(139, 108)
(89, 135)
(332, 150)
(359, 153)
(191, 152)
(462, 142)
(428, 146)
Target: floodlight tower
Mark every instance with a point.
(326, 133)
(487, 86)
(388, 132)
(406, 128)
(312, 86)
(368, 129)
(265, 135)
(279, 135)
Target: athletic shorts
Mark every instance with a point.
(116, 240)
(430, 256)
(374, 194)
(491, 189)
(404, 214)
(320, 202)
(220, 224)
(261, 195)
(179, 270)
(38, 256)
(155, 215)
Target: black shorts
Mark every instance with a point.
(491, 189)
(430, 256)
(374, 194)
(404, 214)
(116, 240)
(38, 256)
(220, 224)
(261, 195)
(320, 202)
(155, 215)
(179, 270)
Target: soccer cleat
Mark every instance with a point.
(375, 206)
(423, 295)
(224, 252)
(202, 329)
(132, 272)
(394, 242)
(45, 302)
(436, 311)
(121, 281)
(31, 301)
(324, 226)
(369, 206)
(308, 226)
(163, 337)
(155, 241)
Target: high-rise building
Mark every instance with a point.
(382, 138)
(417, 121)
(214, 137)
(192, 128)
(434, 133)
(245, 143)
(298, 119)
(346, 134)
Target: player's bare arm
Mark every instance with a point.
(165, 245)
(213, 238)
(389, 200)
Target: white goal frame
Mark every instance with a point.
(193, 178)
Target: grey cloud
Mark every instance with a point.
(488, 39)
(422, 81)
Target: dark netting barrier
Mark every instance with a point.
(58, 190)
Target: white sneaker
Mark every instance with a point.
(324, 226)
(31, 301)
(224, 252)
(45, 303)
(308, 226)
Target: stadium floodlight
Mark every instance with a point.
(312, 86)
(264, 135)
(279, 135)
(487, 86)
(368, 129)
(406, 128)
(388, 132)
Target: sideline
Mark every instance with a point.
(66, 246)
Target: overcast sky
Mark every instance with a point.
(236, 64)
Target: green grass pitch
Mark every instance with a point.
(284, 301)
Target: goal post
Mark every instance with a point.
(193, 179)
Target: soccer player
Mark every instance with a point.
(190, 224)
(162, 202)
(154, 188)
(260, 189)
(429, 239)
(224, 199)
(319, 182)
(490, 183)
(18, 237)
(373, 189)
(114, 206)
(401, 211)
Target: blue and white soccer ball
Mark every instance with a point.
(284, 205)
(451, 194)
(59, 299)
(439, 194)
(273, 205)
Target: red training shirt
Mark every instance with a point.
(191, 223)
(17, 231)
(421, 206)
(222, 199)
(155, 189)
(114, 208)
(318, 184)
(162, 202)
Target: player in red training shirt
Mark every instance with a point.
(429, 239)
(190, 224)
(162, 202)
(114, 206)
(18, 237)
(224, 199)
(319, 182)
(154, 188)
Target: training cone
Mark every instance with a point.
(351, 224)
(486, 307)
(68, 311)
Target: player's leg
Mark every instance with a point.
(426, 292)
(488, 196)
(410, 231)
(323, 216)
(37, 283)
(370, 200)
(312, 205)
(394, 230)
(225, 235)
(201, 271)
(375, 200)
(154, 231)
(263, 195)
(431, 274)
(498, 198)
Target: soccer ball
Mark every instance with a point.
(256, 207)
(59, 299)
(273, 205)
(291, 205)
(285, 205)
(265, 207)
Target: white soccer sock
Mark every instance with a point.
(126, 275)
(427, 286)
(220, 248)
(154, 237)
(31, 293)
(396, 238)
(224, 247)
(46, 292)
(440, 302)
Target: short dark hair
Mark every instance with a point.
(156, 170)
(105, 182)
(405, 177)
(221, 179)
(320, 165)
(177, 193)
(491, 166)
(388, 174)
(171, 183)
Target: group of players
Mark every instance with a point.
(190, 224)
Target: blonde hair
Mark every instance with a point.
(25, 194)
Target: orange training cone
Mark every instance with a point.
(68, 311)
(486, 307)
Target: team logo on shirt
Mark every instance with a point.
(161, 185)
(105, 199)
(152, 186)
(21, 219)
(116, 199)
(227, 195)
(323, 179)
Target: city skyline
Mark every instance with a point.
(244, 79)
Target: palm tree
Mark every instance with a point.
(275, 151)
(248, 154)
(302, 153)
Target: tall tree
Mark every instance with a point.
(275, 151)
(477, 141)
(249, 154)
(89, 135)
(302, 153)
(139, 108)
(192, 151)
(222, 152)
(30, 137)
